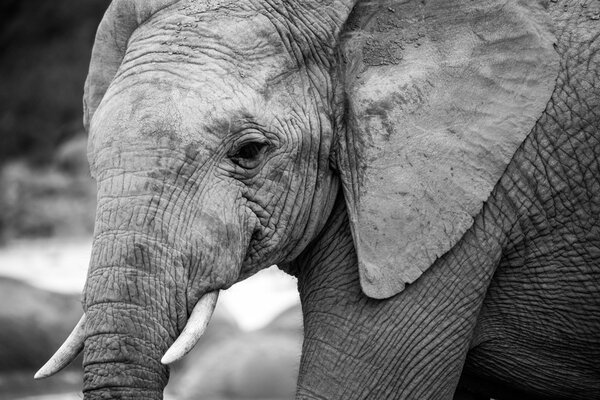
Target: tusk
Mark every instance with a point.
(66, 353)
(194, 328)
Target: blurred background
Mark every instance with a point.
(47, 203)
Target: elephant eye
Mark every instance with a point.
(250, 155)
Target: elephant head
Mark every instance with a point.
(222, 132)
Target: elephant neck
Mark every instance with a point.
(357, 347)
(333, 246)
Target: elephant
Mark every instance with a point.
(429, 170)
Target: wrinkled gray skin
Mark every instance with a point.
(212, 150)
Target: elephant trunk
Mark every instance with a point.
(135, 307)
(124, 365)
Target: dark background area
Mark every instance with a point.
(45, 48)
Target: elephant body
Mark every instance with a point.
(536, 241)
(428, 170)
(538, 325)
(537, 333)
(538, 330)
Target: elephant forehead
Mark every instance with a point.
(184, 73)
(199, 76)
(159, 109)
(233, 46)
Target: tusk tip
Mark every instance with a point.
(170, 357)
(41, 374)
(65, 354)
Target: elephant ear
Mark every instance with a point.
(120, 20)
(440, 95)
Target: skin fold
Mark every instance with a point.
(216, 137)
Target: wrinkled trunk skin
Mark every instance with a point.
(134, 299)
(129, 325)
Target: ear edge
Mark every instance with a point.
(374, 288)
(380, 286)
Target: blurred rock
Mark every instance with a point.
(289, 320)
(260, 365)
(222, 327)
(253, 365)
(33, 324)
(21, 385)
(71, 157)
(56, 200)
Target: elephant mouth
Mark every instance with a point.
(191, 333)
